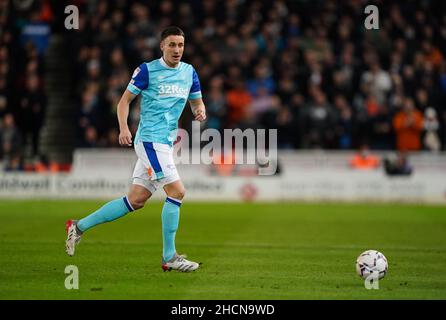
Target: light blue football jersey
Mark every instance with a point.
(164, 92)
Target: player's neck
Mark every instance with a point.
(168, 64)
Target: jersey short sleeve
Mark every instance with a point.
(140, 80)
(195, 90)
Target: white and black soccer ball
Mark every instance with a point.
(371, 264)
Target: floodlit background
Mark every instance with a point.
(361, 122)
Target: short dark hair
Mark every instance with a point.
(171, 31)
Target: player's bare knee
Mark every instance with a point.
(137, 202)
(177, 193)
(138, 196)
(181, 194)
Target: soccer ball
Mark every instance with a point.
(371, 264)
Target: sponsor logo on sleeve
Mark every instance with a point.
(135, 73)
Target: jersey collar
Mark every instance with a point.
(164, 64)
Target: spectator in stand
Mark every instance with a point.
(238, 100)
(90, 112)
(398, 166)
(4, 98)
(11, 144)
(215, 104)
(381, 137)
(263, 80)
(261, 103)
(364, 160)
(432, 54)
(408, 125)
(377, 82)
(32, 111)
(431, 140)
(90, 138)
(318, 121)
(345, 122)
(285, 129)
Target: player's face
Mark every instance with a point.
(172, 48)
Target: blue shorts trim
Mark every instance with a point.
(153, 159)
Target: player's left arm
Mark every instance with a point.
(198, 109)
(195, 99)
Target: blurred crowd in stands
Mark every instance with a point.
(308, 68)
(23, 40)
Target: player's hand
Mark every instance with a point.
(200, 115)
(125, 137)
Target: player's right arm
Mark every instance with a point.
(125, 137)
(139, 82)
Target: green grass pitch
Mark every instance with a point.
(249, 251)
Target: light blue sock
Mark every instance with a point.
(170, 218)
(110, 211)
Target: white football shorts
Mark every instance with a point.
(155, 166)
